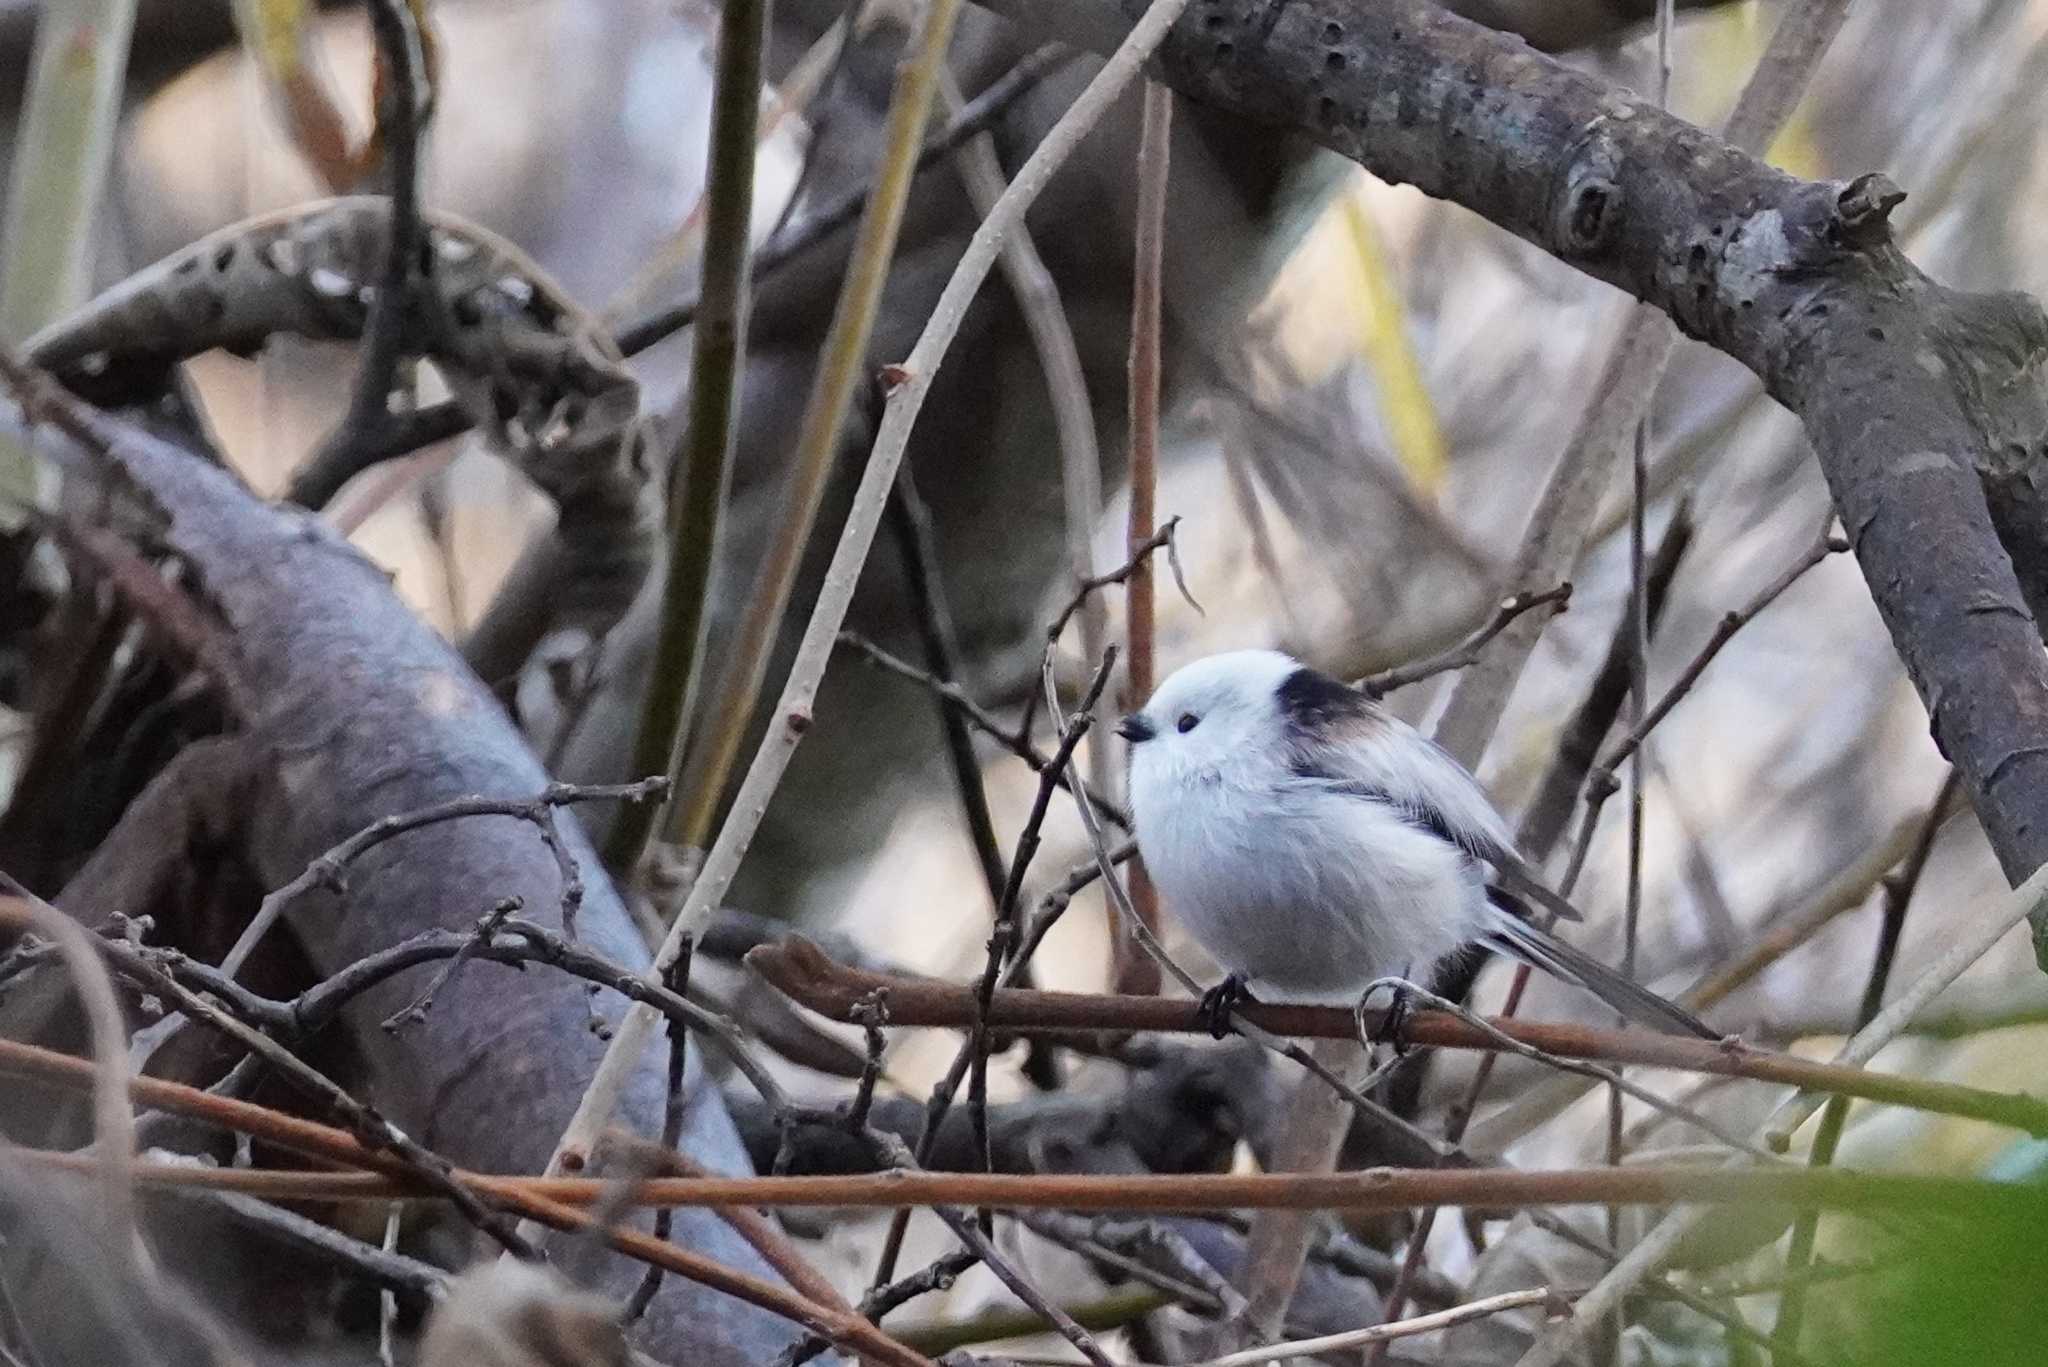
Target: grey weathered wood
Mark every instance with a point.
(364, 713)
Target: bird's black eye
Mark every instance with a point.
(1187, 722)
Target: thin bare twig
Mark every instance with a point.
(486, 926)
(387, 1299)
(677, 980)
(936, 1276)
(1141, 554)
(1144, 1250)
(1053, 905)
(1392, 1329)
(1133, 971)
(414, 1281)
(1578, 747)
(1468, 650)
(872, 1014)
(329, 870)
(403, 288)
(1003, 939)
(954, 696)
(1057, 765)
(1016, 741)
(1363, 1192)
(1898, 895)
(1507, 1043)
(1638, 694)
(1827, 544)
(1044, 1306)
(911, 519)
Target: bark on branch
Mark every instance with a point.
(1927, 407)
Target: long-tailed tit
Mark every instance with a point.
(1314, 843)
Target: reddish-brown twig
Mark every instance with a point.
(804, 972)
(1130, 970)
(1361, 1192)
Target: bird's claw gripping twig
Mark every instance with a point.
(1217, 1004)
(1393, 1025)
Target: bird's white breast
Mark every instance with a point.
(1308, 892)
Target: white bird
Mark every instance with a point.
(1314, 843)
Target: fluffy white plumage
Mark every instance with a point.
(1313, 843)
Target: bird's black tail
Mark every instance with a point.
(1519, 940)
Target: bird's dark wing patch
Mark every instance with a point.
(1316, 705)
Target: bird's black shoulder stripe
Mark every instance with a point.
(1320, 712)
(1313, 701)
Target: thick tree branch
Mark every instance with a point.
(359, 711)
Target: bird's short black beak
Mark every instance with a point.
(1135, 728)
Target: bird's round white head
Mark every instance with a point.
(1217, 713)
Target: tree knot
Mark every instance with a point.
(1587, 215)
(1863, 210)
